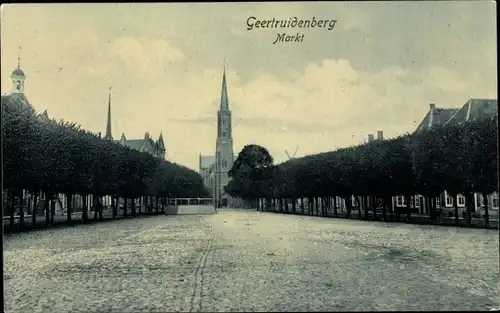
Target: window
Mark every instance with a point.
(412, 201)
(438, 201)
(449, 199)
(461, 200)
(18, 85)
(495, 202)
(417, 201)
(42, 196)
(400, 201)
(223, 133)
(224, 163)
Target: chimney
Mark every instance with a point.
(432, 106)
(146, 136)
(380, 135)
(370, 137)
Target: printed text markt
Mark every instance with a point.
(293, 22)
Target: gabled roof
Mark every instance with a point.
(435, 117)
(475, 109)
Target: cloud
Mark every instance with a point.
(144, 56)
(328, 92)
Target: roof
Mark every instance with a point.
(475, 109)
(137, 144)
(208, 160)
(18, 72)
(436, 117)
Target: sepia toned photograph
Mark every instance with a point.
(250, 157)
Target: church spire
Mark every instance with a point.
(224, 102)
(108, 125)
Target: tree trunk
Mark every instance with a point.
(358, 203)
(364, 203)
(434, 209)
(316, 204)
(324, 206)
(53, 208)
(408, 208)
(294, 205)
(46, 208)
(141, 203)
(348, 204)
(486, 211)
(85, 209)
(134, 212)
(69, 207)
(390, 205)
(384, 208)
(455, 207)
(114, 201)
(335, 211)
(125, 208)
(302, 205)
(374, 203)
(397, 212)
(469, 204)
(157, 205)
(101, 207)
(21, 209)
(34, 211)
(95, 206)
(29, 208)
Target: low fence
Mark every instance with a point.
(419, 219)
(29, 222)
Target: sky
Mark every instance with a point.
(378, 69)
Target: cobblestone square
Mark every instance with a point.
(250, 261)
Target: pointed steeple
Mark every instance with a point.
(224, 102)
(161, 143)
(108, 125)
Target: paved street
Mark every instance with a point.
(250, 261)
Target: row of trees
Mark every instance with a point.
(461, 159)
(43, 155)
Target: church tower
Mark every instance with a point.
(108, 125)
(18, 78)
(224, 146)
